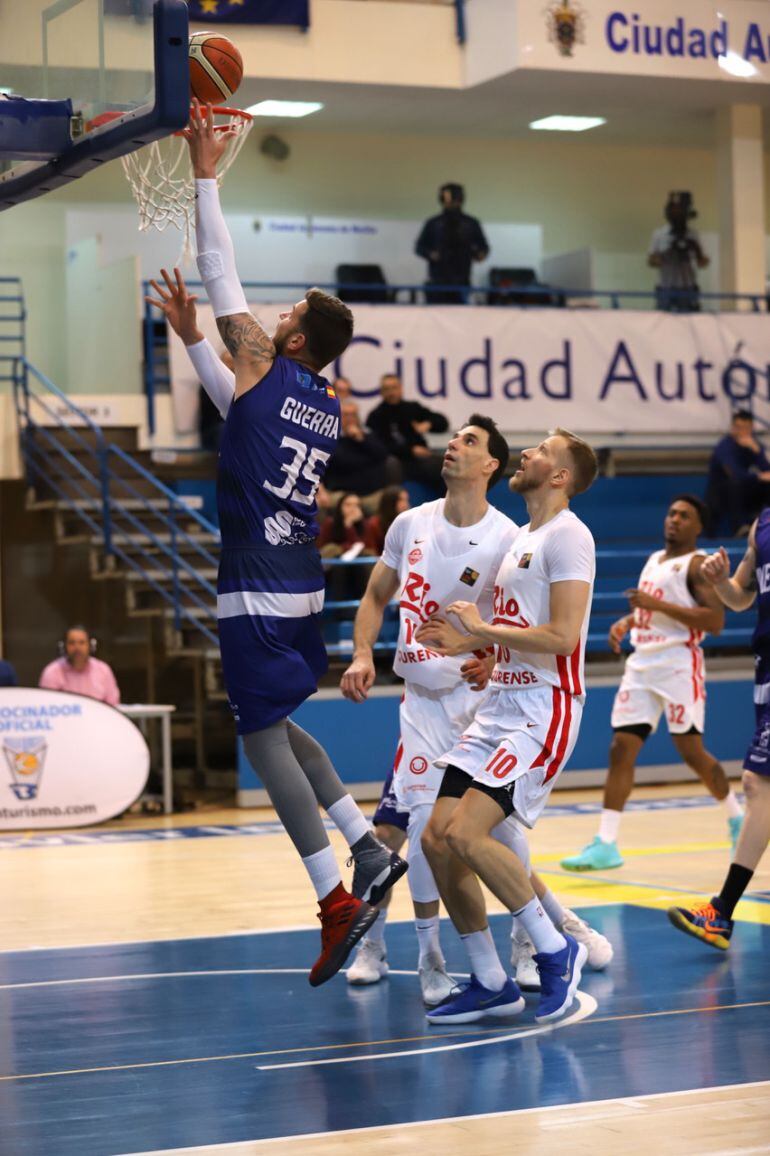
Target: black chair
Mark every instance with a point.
(374, 289)
(505, 287)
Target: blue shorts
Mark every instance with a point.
(387, 808)
(269, 604)
(758, 755)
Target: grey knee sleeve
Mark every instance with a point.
(272, 758)
(317, 765)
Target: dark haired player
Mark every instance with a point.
(672, 609)
(712, 921)
(281, 426)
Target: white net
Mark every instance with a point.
(161, 178)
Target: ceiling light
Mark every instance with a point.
(568, 123)
(284, 108)
(736, 66)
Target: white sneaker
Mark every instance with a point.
(522, 961)
(600, 951)
(370, 964)
(435, 983)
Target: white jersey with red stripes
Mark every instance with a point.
(439, 563)
(665, 579)
(562, 550)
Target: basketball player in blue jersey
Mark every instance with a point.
(281, 427)
(712, 920)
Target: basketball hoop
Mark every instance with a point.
(161, 179)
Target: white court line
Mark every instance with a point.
(246, 1145)
(178, 974)
(587, 1005)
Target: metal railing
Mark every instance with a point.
(13, 316)
(131, 515)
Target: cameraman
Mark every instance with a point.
(676, 250)
(450, 242)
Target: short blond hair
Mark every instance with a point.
(585, 467)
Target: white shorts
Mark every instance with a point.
(676, 686)
(519, 739)
(431, 720)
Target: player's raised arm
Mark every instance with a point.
(179, 308)
(251, 348)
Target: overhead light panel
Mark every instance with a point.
(293, 108)
(735, 65)
(567, 123)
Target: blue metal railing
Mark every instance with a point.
(460, 22)
(13, 316)
(129, 512)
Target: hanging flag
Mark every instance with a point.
(294, 12)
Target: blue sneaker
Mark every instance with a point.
(560, 973)
(472, 1001)
(596, 856)
(734, 827)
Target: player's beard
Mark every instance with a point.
(523, 484)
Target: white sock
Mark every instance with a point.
(539, 928)
(553, 908)
(323, 871)
(348, 819)
(484, 960)
(609, 825)
(376, 932)
(428, 937)
(734, 809)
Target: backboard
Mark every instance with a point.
(83, 82)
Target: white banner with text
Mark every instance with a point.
(532, 369)
(67, 760)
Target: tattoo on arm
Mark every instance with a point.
(244, 337)
(749, 562)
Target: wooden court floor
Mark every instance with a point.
(153, 997)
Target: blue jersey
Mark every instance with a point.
(277, 442)
(761, 639)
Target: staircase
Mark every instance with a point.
(102, 496)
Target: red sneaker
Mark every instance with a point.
(342, 925)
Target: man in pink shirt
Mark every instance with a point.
(79, 672)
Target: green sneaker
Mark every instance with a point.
(597, 856)
(734, 827)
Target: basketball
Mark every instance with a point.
(216, 67)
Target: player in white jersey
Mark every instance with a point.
(508, 759)
(432, 555)
(671, 611)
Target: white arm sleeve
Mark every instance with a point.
(215, 377)
(216, 255)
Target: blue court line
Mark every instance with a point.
(28, 841)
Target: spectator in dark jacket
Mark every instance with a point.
(344, 533)
(402, 426)
(8, 676)
(450, 242)
(739, 476)
(361, 462)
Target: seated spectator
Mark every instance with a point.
(78, 672)
(402, 426)
(393, 502)
(8, 675)
(739, 476)
(343, 535)
(360, 463)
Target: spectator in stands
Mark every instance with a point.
(343, 535)
(393, 501)
(8, 675)
(343, 388)
(739, 476)
(676, 250)
(361, 462)
(450, 242)
(402, 426)
(78, 671)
